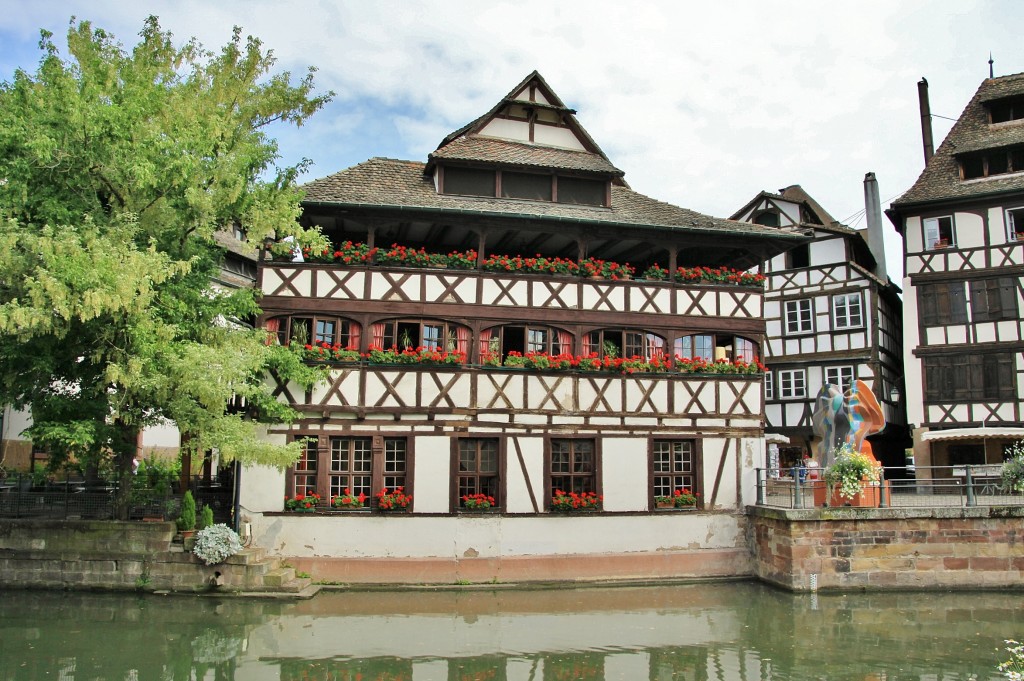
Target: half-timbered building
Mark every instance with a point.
(832, 317)
(962, 224)
(527, 362)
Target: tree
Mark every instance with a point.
(117, 169)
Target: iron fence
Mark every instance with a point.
(27, 496)
(920, 486)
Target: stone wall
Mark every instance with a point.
(110, 555)
(877, 549)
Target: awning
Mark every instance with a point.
(973, 434)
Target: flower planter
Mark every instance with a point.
(868, 497)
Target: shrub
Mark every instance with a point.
(206, 518)
(216, 543)
(187, 518)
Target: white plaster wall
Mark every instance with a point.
(790, 210)
(713, 450)
(970, 230)
(828, 251)
(433, 474)
(263, 490)
(624, 474)
(365, 535)
(15, 421)
(753, 455)
(165, 435)
(556, 137)
(517, 493)
(507, 129)
(913, 236)
(911, 364)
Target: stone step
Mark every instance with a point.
(248, 556)
(296, 585)
(279, 577)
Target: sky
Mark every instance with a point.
(703, 105)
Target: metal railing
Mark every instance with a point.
(921, 486)
(70, 498)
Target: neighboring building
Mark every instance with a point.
(523, 179)
(833, 316)
(963, 240)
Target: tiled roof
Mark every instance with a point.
(972, 132)
(506, 152)
(388, 183)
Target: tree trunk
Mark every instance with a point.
(125, 449)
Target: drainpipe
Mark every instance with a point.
(876, 235)
(926, 120)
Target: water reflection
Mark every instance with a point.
(727, 632)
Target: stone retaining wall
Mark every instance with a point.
(854, 549)
(108, 555)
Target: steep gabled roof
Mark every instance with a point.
(794, 193)
(972, 132)
(389, 184)
(470, 144)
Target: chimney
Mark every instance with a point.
(876, 237)
(926, 120)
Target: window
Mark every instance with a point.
(351, 466)
(798, 256)
(468, 181)
(584, 192)
(938, 232)
(431, 334)
(627, 343)
(846, 311)
(525, 186)
(1015, 224)
(841, 377)
(798, 316)
(768, 218)
(306, 330)
(769, 387)
(700, 346)
(331, 464)
(478, 468)
(531, 186)
(792, 384)
(969, 377)
(993, 299)
(1009, 109)
(572, 467)
(942, 303)
(673, 466)
(498, 341)
(992, 162)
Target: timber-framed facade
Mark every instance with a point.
(963, 232)
(614, 406)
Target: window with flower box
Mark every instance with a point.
(673, 466)
(429, 334)
(712, 347)
(497, 341)
(477, 465)
(330, 464)
(572, 466)
(306, 330)
(627, 343)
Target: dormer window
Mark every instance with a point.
(768, 218)
(992, 162)
(1003, 110)
(508, 184)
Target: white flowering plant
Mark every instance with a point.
(1011, 476)
(849, 469)
(1013, 668)
(216, 543)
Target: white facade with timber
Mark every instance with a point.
(963, 233)
(832, 317)
(525, 179)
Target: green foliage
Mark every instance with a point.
(187, 518)
(205, 517)
(118, 169)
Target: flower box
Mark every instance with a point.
(867, 498)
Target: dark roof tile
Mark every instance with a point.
(505, 152)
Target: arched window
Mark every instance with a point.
(523, 338)
(626, 343)
(713, 347)
(429, 334)
(309, 329)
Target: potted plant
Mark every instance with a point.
(187, 516)
(477, 502)
(1011, 476)
(655, 273)
(216, 543)
(394, 501)
(348, 501)
(681, 498)
(575, 502)
(302, 503)
(853, 478)
(205, 518)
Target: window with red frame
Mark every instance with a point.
(573, 466)
(478, 469)
(673, 467)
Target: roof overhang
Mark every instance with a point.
(972, 434)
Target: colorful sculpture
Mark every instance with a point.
(845, 418)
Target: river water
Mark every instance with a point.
(728, 632)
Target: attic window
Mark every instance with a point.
(580, 191)
(768, 218)
(992, 162)
(1003, 110)
(469, 181)
(526, 186)
(508, 184)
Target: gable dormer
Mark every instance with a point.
(529, 146)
